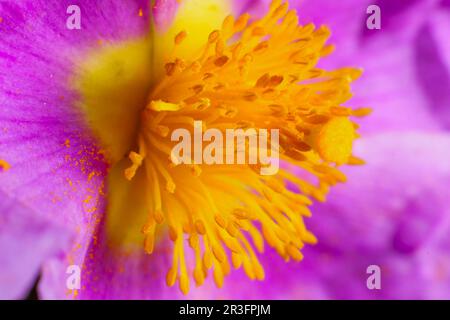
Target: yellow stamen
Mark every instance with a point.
(336, 140)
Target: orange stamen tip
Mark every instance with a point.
(266, 77)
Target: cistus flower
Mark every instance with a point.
(86, 121)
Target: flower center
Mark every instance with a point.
(260, 75)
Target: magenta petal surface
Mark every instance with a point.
(43, 137)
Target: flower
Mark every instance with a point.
(45, 205)
(119, 91)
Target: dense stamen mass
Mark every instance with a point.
(261, 74)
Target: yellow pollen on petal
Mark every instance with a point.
(249, 74)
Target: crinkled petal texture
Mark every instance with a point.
(396, 96)
(392, 213)
(54, 185)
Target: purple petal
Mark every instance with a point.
(395, 15)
